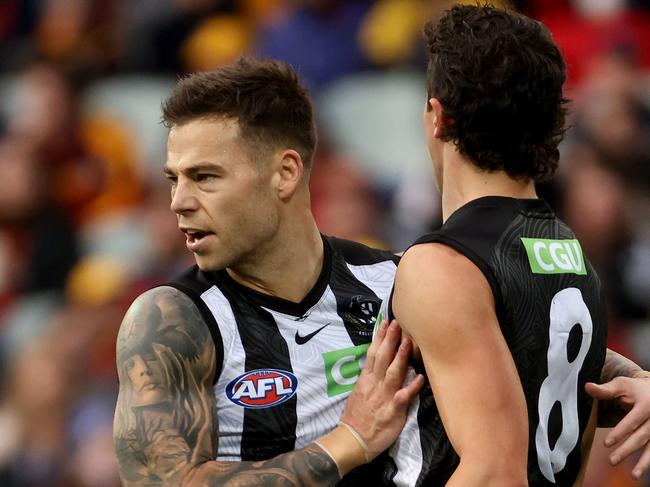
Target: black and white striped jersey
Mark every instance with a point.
(286, 368)
(551, 311)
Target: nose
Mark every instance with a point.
(140, 366)
(183, 199)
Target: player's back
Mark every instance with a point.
(551, 312)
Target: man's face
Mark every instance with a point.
(223, 200)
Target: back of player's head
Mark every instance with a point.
(266, 98)
(498, 76)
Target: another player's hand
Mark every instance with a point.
(378, 405)
(632, 433)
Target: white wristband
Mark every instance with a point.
(360, 440)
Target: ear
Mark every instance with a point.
(288, 177)
(438, 117)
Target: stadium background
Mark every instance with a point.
(84, 218)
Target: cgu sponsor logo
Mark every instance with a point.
(555, 256)
(262, 388)
(343, 367)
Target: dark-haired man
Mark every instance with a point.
(237, 373)
(501, 303)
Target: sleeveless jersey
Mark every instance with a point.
(287, 368)
(551, 311)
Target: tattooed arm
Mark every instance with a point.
(616, 365)
(166, 431)
(625, 393)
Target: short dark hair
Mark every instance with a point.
(498, 76)
(264, 96)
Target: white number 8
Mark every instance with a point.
(568, 308)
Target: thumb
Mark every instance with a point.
(609, 390)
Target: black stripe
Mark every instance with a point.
(270, 431)
(356, 253)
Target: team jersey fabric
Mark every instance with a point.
(551, 311)
(287, 368)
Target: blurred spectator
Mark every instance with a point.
(319, 38)
(29, 223)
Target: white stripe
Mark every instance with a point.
(317, 413)
(378, 277)
(229, 415)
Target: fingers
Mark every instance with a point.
(629, 436)
(405, 395)
(642, 465)
(397, 369)
(626, 427)
(374, 345)
(609, 390)
(387, 348)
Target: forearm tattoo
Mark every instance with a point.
(165, 429)
(616, 365)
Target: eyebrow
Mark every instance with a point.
(196, 168)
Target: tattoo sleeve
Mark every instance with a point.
(616, 365)
(165, 430)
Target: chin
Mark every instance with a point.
(210, 263)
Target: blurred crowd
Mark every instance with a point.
(85, 224)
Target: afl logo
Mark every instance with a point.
(262, 388)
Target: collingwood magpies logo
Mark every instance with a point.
(362, 312)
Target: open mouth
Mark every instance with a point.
(195, 236)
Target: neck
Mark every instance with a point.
(463, 182)
(289, 266)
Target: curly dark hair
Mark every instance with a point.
(264, 96)
(498, 76)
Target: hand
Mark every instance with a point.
(377, 407)
(632, 433)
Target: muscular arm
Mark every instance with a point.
(166, 431)
(166, 424)
(445, 304)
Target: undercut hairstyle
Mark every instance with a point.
(498, 76)
(265, 97)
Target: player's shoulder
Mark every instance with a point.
(158, 298)
(356, 253)
(166, 316)
(436, 260)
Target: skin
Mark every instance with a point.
(217, 189)
(625, 388)
(256, 221)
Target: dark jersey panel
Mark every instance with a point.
(551, 313)
(356, 253)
